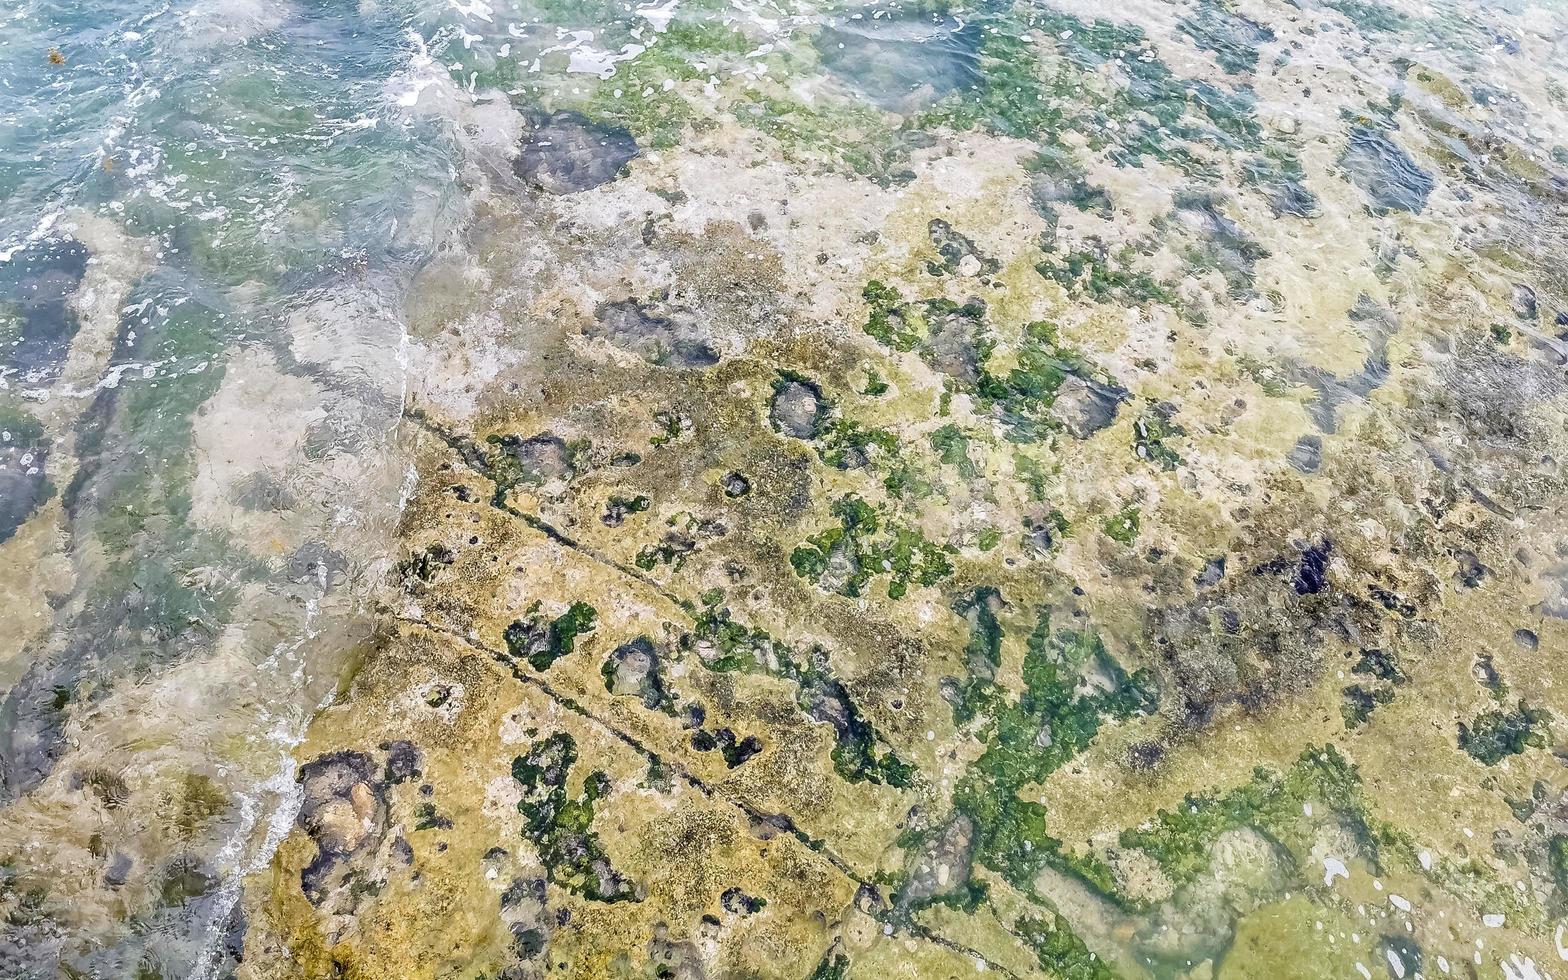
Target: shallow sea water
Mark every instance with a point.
(759, 489)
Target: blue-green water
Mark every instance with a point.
(254, 161)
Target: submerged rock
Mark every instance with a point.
(1215, 240)
(942, 866)
(1385, 173)
(1085, 406)
(119, 870)
(566, 153)
(1312, 573)
(958, 252)
(37, 284)
(633, 670)
(1376, 324)
(1234, 39)
(953, 344)
(24, 486)
(33, 714)
(902, 63)
(670, 341)
(340, 809)
(1293, 198)
(1524, 302)
(541, 458)
(1307, 454)
(673, 960)
(797, 409)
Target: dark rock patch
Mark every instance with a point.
(632, 670)
(183, 880)
(671, 960)
(316, 562)
(24, 486)
(119, 870)
(736, 751)
(342, 810)
(1307, 454)
(738, 902)
(1312, 573)
(404, 762)
(673, 341)
(1215, 241)
(1469, 570)
(735, 485)
(37, 285)
(958, 252)
(32, 722)
(1213, 572)
(1293, 198)
(1233, 38)
(539, 459)
(618, 508)
(1084, 406)
(953, 342)
(1386, 175)
(565, 153)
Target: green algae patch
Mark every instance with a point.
(834, 966)
(560, 826)
(951, 446)
(1273, 802)
(638, 99)
(867, 544)
(1105, 275)
(541, 641)
(1059, 950)
(1154, 433)
(1017, 383)
(859, 752)
(1055, 717)
(1381, 674)
(1123, 526)
(1024, 92)
(1495, 735)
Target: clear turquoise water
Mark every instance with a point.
(255, 156)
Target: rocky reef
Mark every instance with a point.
(923, 491)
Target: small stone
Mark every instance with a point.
(1307, 454)
(119, 871)
(735, 484)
